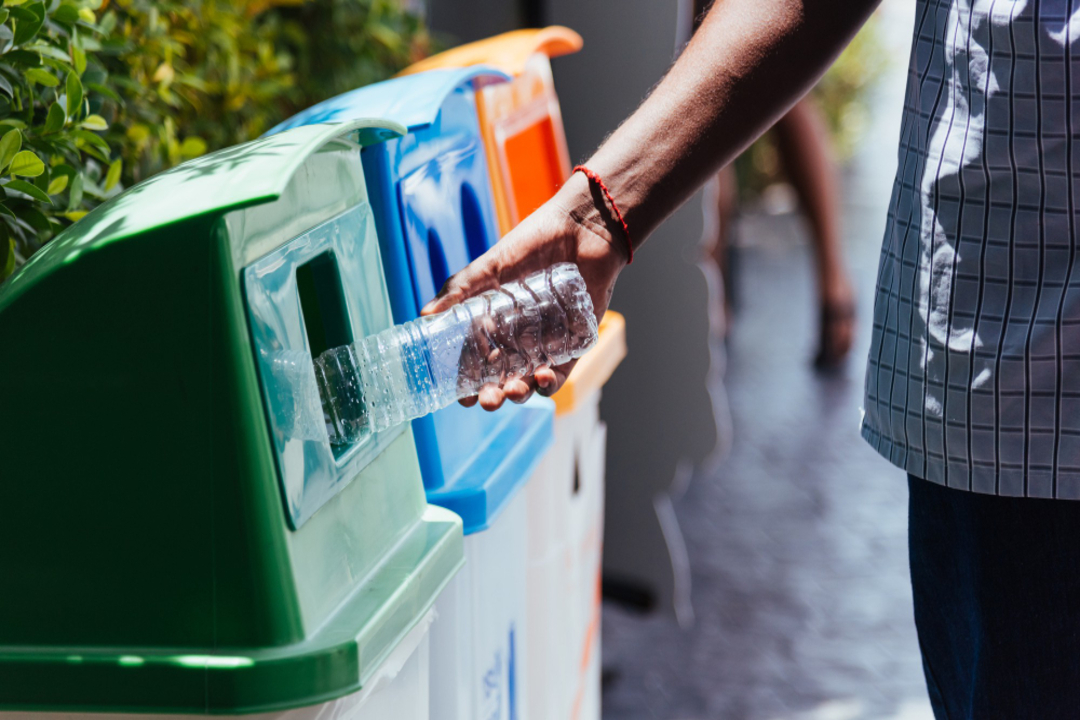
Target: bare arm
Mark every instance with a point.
(749, 62)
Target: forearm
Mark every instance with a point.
(750, 61)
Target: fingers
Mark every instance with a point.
(491, 397)
(519, 390)
(546, 381)
(550, 379)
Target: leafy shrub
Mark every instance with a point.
(339, 45)
(192, 77)
(54, 166)
(157, 83)
(202, 75)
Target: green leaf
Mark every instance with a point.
(67, 14)
(33, 217)
(96, 153)
(4, 14)
(10, 144)
(91, 139)
(31, 190)
(94, 122)
(5, 210)
(58, 185)
(113, 176)
(27, 29)
(21, 13)
(42, 77)
(192, 147)
(47, 50)
(75, 197)
(78, 57)
(87, 16)
(108, 23)
(5, 86)
(104, 90)
(27, 164)
(23, 57)
(7, 257)
(74, 95)
(11, 3)
(55, 119)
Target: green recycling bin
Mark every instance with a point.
(180, 535)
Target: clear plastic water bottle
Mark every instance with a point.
(410, 370)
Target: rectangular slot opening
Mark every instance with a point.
(326, 317)
(322, 302)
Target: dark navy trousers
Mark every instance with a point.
(996, 584)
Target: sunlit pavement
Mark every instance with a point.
(797, 539)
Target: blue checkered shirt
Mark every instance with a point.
(974, 371)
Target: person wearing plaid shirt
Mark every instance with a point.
(973, 379)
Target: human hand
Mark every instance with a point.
(837, 328)
(568, 228)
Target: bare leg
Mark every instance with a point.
(726, 198)
(804, 148)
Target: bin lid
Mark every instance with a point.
(508, 52)
(485, 458)
(414, 101)
(214, 184)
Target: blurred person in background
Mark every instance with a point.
(805, 154)
(973, 382)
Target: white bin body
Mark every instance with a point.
(566, 530)
(478, 639)
(398, 690)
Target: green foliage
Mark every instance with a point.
(95, 96)
(198, 76)
(52, 161)
(339, 45)
(192, 77)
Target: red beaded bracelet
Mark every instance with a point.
(614, 208)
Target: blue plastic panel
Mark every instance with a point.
(309, 471)
(444, 196)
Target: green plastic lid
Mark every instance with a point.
(155, 558)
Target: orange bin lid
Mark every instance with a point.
(507, 52)
(596, 366)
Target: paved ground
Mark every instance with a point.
(797, 539)
(797, 542)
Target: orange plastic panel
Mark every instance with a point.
(508, 52)
(533, 176)
(523, 126)
(596, 366)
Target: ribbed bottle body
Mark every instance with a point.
(410, 370)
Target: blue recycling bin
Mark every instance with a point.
(431, 196)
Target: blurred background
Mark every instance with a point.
(755, 547)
